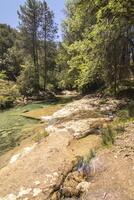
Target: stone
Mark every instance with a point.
(69, 188)
(55, 196)
(37, 182)
(36, 192)
(10, 197)
(83, 186)
(79, 128)
(23, 192)
(24, 152)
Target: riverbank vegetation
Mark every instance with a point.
(96, 52)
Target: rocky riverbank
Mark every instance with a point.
(70, 163)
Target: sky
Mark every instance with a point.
(8, 11)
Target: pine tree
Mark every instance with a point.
(30, 17)
(47, 34)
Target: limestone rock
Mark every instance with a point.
(83, 186)
(70, 184)
(55, 196)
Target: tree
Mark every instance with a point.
(7, 42)
(99, 42)
(30, 17)
(47, 35)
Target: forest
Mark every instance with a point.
(96, 53)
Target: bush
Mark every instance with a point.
(26, 81)
(108, 136)
(8, 94)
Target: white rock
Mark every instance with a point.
(46, 118)
(25, 151)
(36, 192)
(37, 182)
(49, 176)
(28, 149)
(10, 197)
(24, 192)
(14, 158)
(55, 174)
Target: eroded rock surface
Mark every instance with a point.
(83, 117)
(116, 181)
(46, 172)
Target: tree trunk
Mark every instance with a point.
(45, 52)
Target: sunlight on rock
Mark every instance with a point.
(83, 186)
(24, 192)
(37, 182)
(36, 192)
(10, 197)
(25, 151)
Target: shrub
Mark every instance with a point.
(108, 136)
(123, 115)
(8, 94)
(26, 81)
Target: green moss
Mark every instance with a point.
(40, 135)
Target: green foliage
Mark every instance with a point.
(90, 156)
(108, 136)
(3, 75)
(10, 59)
(38, 33)
(26, 81)
(99, 43)
(123, 115)
(8, 94)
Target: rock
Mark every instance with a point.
(83, 186)
(10, 197)
(82, 117)
(25, 151)
(79, 128)
(96, 166)
(23, 192)
(14, 158)
(69, 188)
(37, 182)
(70, 93)
(36, 192)
(56, 196)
